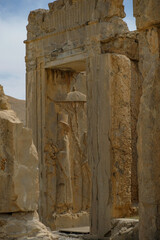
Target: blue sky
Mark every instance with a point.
(13, 21)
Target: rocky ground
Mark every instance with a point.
(122, 229)
(23, 226)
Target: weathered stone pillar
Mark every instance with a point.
(35, 95)
(103, 74)
(125, 103)
(99, 152)
(121, 145)
(148, 16)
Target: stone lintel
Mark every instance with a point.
(125, 44)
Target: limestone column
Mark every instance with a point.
(147, 14)
(102, 74)
(99, 152)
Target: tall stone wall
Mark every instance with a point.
(127, 45)
(148, 20)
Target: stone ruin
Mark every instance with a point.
(19, 179)
(93, 107)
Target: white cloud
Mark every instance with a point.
(12, 51)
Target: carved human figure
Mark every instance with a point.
(63, 166)
(73, 174)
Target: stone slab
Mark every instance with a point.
(78, 230)
(24, 226)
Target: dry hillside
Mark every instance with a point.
(19, 106)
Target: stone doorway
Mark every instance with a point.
(66, 101)
(67, 172)
(64, 194)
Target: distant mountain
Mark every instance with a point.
(19, 106)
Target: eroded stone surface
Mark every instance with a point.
(18, 163)
(4, 105)
(146, 12)
(60, 17)
(18, 166)
(120, 134)
(149, 135)
(100, 8)
(23, 226)
(136, 93)
(125, 44)
(124, 229)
